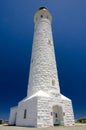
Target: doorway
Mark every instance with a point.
(57, 115)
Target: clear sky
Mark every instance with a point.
(16, 36)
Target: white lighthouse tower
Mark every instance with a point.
(44, 105)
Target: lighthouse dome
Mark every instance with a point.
(41, 13)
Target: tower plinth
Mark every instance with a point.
(44, 105)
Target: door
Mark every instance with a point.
(55, 118)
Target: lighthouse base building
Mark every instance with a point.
(44, 105)
(41, 110)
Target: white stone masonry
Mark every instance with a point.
(43, 64)
(44, 105)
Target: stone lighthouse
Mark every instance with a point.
(44, 105)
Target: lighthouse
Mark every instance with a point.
(44, 105)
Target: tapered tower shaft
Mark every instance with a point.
(43, 72)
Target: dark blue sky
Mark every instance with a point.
(16, 36)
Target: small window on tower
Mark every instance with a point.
(49, 42)
(41, 16)
(25, 113)
(47, 17)
(53, 82)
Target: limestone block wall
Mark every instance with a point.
(68, 113)
(31, 113)
(12, 118)
(44, 112)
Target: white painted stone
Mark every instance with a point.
(13, 113)
(44, 104)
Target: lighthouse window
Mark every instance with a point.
(41, 16)
(47, 17)
(25, 113)
(53, 82)
(49, 42)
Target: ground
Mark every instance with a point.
(76, 127)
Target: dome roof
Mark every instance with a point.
(43, 8)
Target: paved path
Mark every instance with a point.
(77, 127)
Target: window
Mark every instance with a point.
(41, 16)
(51, 114)
(53, 82)
(25, 113)
(49, 42)
(56, 115)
